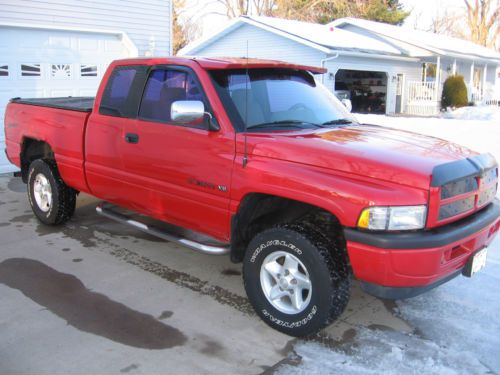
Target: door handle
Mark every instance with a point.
(131, 138)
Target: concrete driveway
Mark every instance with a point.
(96, 297)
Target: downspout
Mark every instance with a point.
(323, 64)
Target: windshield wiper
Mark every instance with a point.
(282, 124)
(339, 121)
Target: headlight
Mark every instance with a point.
(393, 218)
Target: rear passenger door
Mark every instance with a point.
(181, 172)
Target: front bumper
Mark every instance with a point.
(402, 265)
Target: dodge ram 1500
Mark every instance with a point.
(256, 159)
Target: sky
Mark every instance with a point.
(423, 11)
(203, 13)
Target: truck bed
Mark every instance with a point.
(70, 103)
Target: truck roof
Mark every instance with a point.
(222, 63)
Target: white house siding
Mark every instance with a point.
(491, 74)
(410, 70)
(146, 22)
(70, 43)
(262, 44)
(463, 69)
(62, 63)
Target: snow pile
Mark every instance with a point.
(376, 352)
(479, 113)
(457, 326)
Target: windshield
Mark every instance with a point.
(277, 98)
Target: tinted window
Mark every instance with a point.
(115, 99)
(164, 87)
(277, 97)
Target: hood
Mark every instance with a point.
(366, 150)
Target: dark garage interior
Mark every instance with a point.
(367, 90)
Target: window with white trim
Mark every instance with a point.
(31, 70)
(60, 71)
(88, 70)
(4, 70)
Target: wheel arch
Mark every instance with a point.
(32, 149)
(258, 211)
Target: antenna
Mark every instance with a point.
(245, 154)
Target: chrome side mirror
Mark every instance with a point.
(347, 103)
(186, 111)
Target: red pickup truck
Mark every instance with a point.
(255, 158)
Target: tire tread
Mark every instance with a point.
(331, 254)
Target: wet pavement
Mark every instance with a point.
(96, 297)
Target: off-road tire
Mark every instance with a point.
(328, 268)
(63, 197)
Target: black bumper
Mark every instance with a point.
(441, 236)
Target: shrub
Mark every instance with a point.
(454, 92)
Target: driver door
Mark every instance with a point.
(182, 171)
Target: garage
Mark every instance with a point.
(46, 62)
(367, 90)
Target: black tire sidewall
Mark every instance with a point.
(313, 317)
(41, 167)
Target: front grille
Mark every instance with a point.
(489, 176)
(456, 208)
(455, 188)
(468, 194)
(486, 196)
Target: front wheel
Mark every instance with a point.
(296, 279)
(52, 201)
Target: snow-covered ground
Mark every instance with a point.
(456, 326)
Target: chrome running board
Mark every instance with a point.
(105, 209)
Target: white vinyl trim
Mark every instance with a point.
(376, 56)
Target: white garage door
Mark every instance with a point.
(36, 63)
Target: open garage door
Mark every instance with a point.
(38, 63)
(367, 90)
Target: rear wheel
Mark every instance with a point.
(52, 201)
(297, 280)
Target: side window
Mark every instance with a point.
(4, 70)
(164, 87)
(31, 70)
(114, 101)
(88, 70)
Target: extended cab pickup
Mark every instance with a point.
(257, 159)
